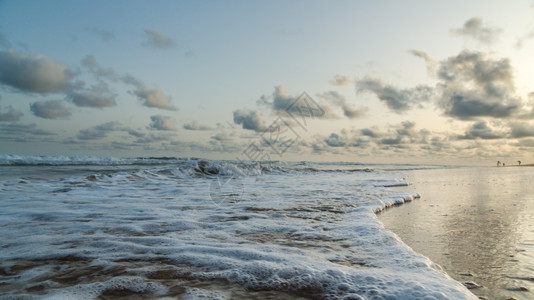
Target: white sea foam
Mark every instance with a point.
(304, 230)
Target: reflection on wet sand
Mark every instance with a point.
(477, 223)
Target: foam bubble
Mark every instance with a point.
(303, 233)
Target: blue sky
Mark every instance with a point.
(410, 81)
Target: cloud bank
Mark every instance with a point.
(32, 73)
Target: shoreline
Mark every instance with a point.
(466, 221)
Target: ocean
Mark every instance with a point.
(166, 228)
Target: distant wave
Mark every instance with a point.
(24, 160)
(202, 167)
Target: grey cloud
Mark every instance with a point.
(194, 125)
(105, 35)
(303, 105)
(90, 63)
(91, 99)
(354, 113)
(466, 108)
(481, 130)
(341, 80)
(391, 141)
(152, 138)
(407, 129)
(337, 99)
(99, 131)
(53, 109)
(136, 133)
(223, 142)
(222, 136)
(371, 132)
(21, 130)
(249, 119)
(404, 133)
(397, 100)
(154, 98)
(157, 39)
(165, 123)
(110, 126)
(521, 129)
(473, 28)
(334, 140)
(529, 143)
(473, 85)
(431, 64)
(477, 67)
(11, 115)
(32, 73)
(150, 97)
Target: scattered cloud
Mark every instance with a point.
(99, 131)
(528, 143)
(482, 130)
(12, 115)
(431, 63)
(21, 131)
(397, 100)
(371, 132)
(475, 29)
(150, 97)
(354, 113)
(165, 123)
(154, 98)
(92, 99)
(249, 119)
(157, 40)
(521, 129)
(341, 80)
(105, 35)
(53, 109)
(474, 85)
(280, 103)
(92, 65)
(338, 100)
(334, 140)
(152, 138)
(194, 125)
(32, 73)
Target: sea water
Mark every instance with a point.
(87, 228)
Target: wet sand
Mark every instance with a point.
(477, 223)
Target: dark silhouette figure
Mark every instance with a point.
(498, 163)
(519, 162)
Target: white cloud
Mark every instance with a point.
(165, 123)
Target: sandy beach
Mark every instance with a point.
(477, 223)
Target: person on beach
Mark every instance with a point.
(519, 162)
(498, 163)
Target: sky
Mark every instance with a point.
(358, 81)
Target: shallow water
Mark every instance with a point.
(212, 229)
(477, 223)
